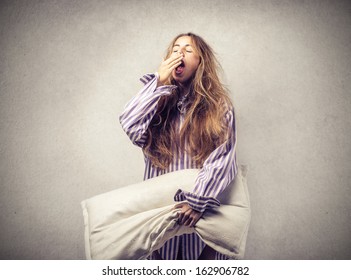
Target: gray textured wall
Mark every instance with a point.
(68, 68)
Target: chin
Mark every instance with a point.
(180, 80)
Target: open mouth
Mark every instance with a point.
(180, 69)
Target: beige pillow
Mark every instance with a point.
(133, 221)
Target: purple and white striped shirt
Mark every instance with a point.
(218, 170)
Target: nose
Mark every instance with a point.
(181, 50)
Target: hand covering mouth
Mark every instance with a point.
(179, 70)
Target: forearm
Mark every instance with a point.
(218, 170)
(139, 112)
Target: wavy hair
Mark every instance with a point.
(203, 128)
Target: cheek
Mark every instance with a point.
(194, 63)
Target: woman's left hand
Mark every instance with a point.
(187, 215)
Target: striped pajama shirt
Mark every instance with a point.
(218, 170)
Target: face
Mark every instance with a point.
(183, 73)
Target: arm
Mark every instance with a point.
(139, 112)
(217, 172)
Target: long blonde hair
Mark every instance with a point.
(203, 128)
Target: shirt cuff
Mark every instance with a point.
(145, 79)
(197, 202)
(148, 77)
(153, 77)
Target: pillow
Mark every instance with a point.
(133, 221)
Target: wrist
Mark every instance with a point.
(159, 83)
(157, 75)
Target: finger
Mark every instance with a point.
(175, 63)
(173, 58)
(185, 216)
(188, 221)
(180, 218)
(174, 66)
(179, 205)
(194, 221)
(166, 70)
(184, 220)
(175, 54)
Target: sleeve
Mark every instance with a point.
(218, 170)
(139, 111)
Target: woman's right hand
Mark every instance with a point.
(168, 65)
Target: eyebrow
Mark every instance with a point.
(187, 45)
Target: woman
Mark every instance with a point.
(183, 118)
